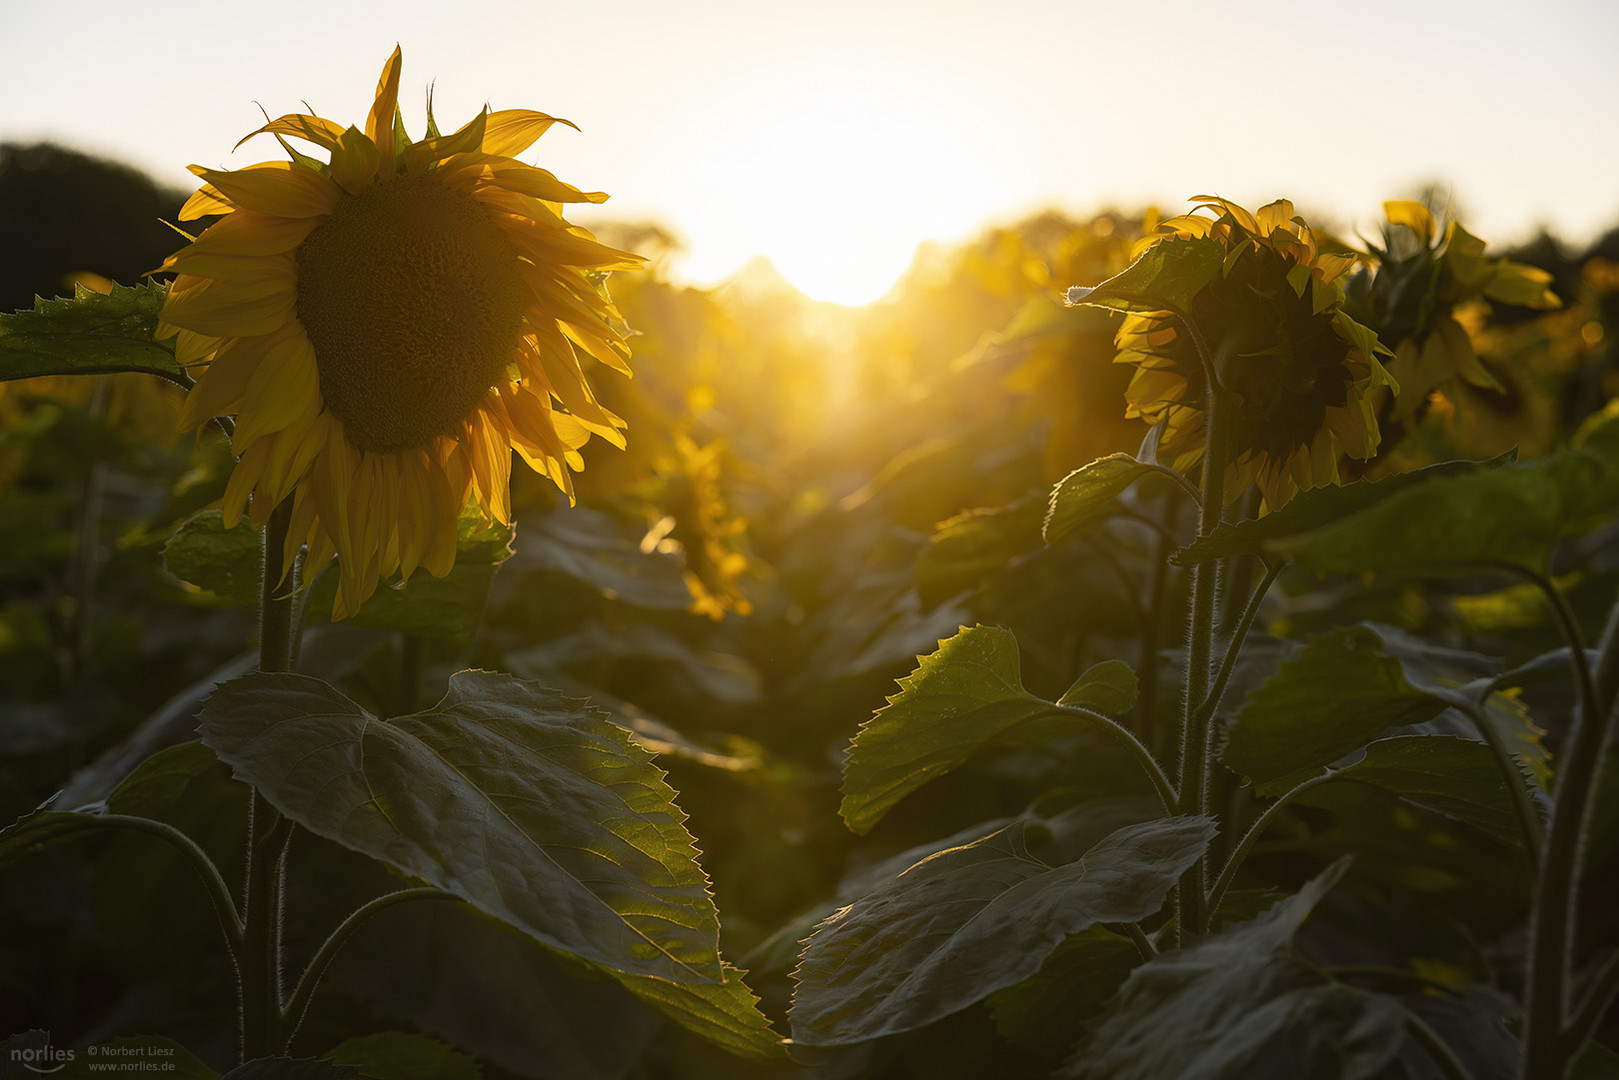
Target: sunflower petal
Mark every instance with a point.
(278, 188)
(511, 131)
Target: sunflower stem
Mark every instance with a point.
(292, 1017)
(259, 970)
(1556, 896)
(1195, 764)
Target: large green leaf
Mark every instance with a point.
(962, 697)
(726, 1014)
(395, 1055)
(604, 553)
(972, 920)
(1318, 508)
(1087, 493)
(1336, 695)
(90, 334)
(1072, 986)
(1507, 516)
(528, 805)
(1240, 1006)
(1454, 777)
(1166, 277)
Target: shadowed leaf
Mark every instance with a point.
(974, 919)
(1241, 1006)
(526, 804)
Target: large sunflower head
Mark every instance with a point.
(387, 326)
(1297, 371)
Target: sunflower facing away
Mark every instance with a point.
(387, 327)
(1298, 372)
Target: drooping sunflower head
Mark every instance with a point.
(387, 326)
(1427, 281)
(1296, 370)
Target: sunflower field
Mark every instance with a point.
(436, 643)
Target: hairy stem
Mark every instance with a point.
(1194, 789)
(1556, 897)
(1240, 852)
(293, 1016)
(1138, 750)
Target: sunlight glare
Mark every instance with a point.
(836, 183)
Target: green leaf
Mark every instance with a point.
(1512, 515)
(1240, 1006)
(964, 696)
(968, 548)
(225, 562)
(972, 920)
(1454, 777)
(604, 553)
(1166, 277)
(395, 1055)
(448, 607)
(1318, 508)
(725, 1014)
(1337, 694)
(90, 334)
(1086, 494)
(1073, 986)
(528, 805)
(1109, 687)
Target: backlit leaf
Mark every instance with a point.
(1317, 508)
(1109, 687)
(90, 334)
(1087, 493)
(1166, 277)
(962, 697)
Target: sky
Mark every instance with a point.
(834, 137)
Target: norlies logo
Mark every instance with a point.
(42, 1059)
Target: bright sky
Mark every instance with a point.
(834, 137)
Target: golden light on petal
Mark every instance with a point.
(1299, 371)
(387, 327)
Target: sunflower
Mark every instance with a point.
(1297, 371)
(1426, 282)
(387, 326)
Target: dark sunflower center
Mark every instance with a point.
(413, 300)
(1288, 365)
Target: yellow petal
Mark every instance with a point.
(277, 188)
(379, 125)
(205, 201)
(322, 132)
(1413, 215)
(246, 305)
(283, 391)
(511, 131)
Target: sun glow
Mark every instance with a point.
(836, 183)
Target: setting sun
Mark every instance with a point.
(836, 183)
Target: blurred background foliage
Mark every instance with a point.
(741, 588)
